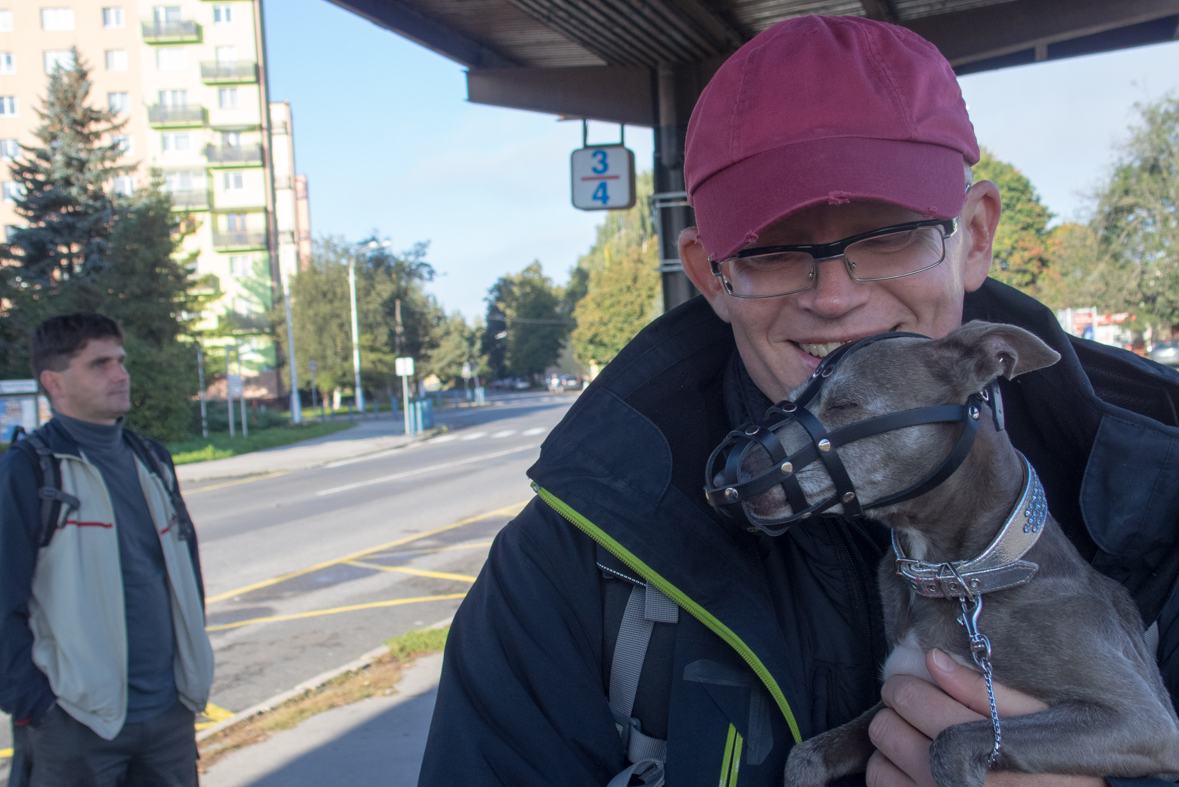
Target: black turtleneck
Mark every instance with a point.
(151, 681)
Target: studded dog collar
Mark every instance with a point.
(1000, 565)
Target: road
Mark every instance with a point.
(308, 569)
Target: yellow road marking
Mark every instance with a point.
(252, 478)
(371, 605)
(214, 714)
(474, 545)
(416, 572)
(5, 752)
(512, 509)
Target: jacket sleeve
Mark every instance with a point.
(24, 690)
(522, 699)
(194, 551)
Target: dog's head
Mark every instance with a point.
(890, 376)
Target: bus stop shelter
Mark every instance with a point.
(645, 62)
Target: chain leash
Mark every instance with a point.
(980, 649)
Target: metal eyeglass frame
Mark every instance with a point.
(828, 251)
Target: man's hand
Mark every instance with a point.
(917, 711)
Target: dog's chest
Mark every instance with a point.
(907, 658)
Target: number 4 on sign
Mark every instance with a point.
(603, 177)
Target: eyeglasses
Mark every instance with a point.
(879, 255)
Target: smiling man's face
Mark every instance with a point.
(782, 339)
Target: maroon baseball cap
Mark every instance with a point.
(825, 109)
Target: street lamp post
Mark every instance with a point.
(296, 406)
(355, 333)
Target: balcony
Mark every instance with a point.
(196, 199)
(238, 240)
(229, 73)
(160, 116)
(233, 155)
(183, 32)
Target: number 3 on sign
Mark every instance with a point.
(602, 165)
(601, 195)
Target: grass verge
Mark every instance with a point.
(220, 445)
(377, 679)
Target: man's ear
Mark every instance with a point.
(695, 261)
(977, 223)
(50, 383)
(986, 350)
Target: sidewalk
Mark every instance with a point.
(378, 741)
(367, 437)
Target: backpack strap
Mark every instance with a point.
(182, 521)
(48, 471)
(645, 606)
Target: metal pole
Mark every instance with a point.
(296, 405)
(201, 377)
(228, 390)
(355, 333)
(242, 398)
(405, 394)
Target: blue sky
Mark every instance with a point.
(389, 143)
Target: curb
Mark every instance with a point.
(308, 685)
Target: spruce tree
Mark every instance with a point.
(66, 200)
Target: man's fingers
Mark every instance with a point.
(903, 745)
(882, 773)
(970, 688)
(924, 705)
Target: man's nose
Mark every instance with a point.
(835, 292)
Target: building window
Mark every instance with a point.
(116, 60)
(166, 14)
(57, 19)
(234, 181)
(8, 107)
(58, 58)
(235, 222)
(171, 58)
(184, 180)
(9, 149)
(231, 139)
(10, 191)
(112, 18)
(118, 102)
(222, 14)
(177, 142)
(173, 98)
(124, 185)
(227, 98)
(226, 54)
(7, 63)
(125, 143)
(240, 266)
(5, 21)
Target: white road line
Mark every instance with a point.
(474, 435)
(443, 438)
(534, 430)
(420, 470)
(366, 457)
(504, 433)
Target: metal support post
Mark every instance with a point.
(405, 394)
(242, 397)
(201, 380)
(676, 90)
(355, 333)
(228, 389)
(296, 405)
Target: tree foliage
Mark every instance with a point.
(65, 181)
(1022, 240)
(526, 323)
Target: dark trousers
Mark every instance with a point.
(159, 752)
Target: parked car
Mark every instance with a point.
(1165, 352)
(569, 382)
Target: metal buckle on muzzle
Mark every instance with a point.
(731, 495)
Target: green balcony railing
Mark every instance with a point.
(233, 155)
(183, 31)
(187, 115)
(190, 199)
(228, 73)
(239, 240)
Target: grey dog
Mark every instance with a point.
(1069, 636)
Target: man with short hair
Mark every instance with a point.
(820, 145)
(104, 658)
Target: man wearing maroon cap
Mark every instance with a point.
(621, 628)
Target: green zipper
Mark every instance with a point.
(679, 597)
(731, 759)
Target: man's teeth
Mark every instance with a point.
(820, 350)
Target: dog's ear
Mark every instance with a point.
(997, 350)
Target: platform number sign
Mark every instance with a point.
(603, 177)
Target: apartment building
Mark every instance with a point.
(189, 78)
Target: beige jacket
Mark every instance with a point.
(76, 611)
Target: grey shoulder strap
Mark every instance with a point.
(646, 606)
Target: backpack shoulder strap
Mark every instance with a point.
(47, 470)
(146, 450)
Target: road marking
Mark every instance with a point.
(420, 470)
(408, 552)
(252, 478)
(399, 449)
(334, 611)
(515, 508)
(214, 714)
(504, 433)
(6, 753)
(443, 438)
(534, 431)
(474, 435)
(415, 571)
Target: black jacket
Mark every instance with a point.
(783, 637)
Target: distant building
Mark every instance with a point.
(190, 78)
